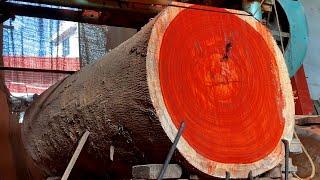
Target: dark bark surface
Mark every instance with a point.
(110, 99)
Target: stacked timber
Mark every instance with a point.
(217, 70)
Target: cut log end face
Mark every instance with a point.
(227, 97)
(221, 74)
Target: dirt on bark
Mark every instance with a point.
(110, 99)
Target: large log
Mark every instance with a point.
(217, 70)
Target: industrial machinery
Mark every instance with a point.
(209, 81)
(135, 13)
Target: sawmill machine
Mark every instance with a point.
(209, 78)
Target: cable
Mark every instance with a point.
(280, 32)
(313, 172)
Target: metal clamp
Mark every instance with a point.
(286, 162)
(171, 151)
(227, 175)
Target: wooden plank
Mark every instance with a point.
(297, 117)
(152, 171)
(317, 106)
(307, 120)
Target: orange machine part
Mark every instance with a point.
(219, 75)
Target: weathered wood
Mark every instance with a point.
(152, 171)
(274, 173)
(207, 66)
(295, 146)
(303, 120)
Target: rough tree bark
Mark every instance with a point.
(110, 99)
(206, 66)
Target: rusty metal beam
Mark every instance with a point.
(132, 18)
(36, 70)
(101, 4)
(4, 17)
(137, 6)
